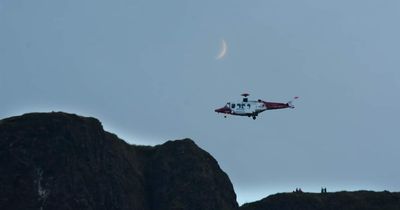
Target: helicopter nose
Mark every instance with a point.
(223, 110)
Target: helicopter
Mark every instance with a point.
(252, 108)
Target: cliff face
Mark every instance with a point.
(64, 161)
(185, 177)
(360, 200)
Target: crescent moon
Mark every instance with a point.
(224, 49)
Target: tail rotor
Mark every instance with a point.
(290, 103)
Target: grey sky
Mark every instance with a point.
(147, 70)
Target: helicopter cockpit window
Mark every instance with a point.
(228, 104)
(233, 106)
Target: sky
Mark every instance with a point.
(147, 70)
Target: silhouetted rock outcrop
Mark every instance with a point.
(64, 161)
(186, 177)
(360, 200)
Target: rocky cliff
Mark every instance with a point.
(359, 200)
(64, 161)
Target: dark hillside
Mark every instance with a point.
(64, 161)
(360, 200)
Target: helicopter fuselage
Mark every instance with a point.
(251, 108)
